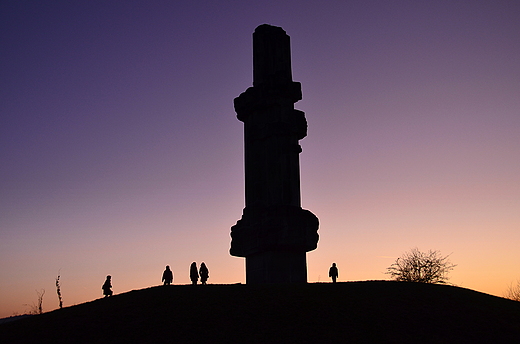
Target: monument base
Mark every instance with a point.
(274, 241)
(276, 267)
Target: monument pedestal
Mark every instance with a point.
(276, 267)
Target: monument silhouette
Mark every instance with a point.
(274, 232)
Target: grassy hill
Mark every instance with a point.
(352, 312)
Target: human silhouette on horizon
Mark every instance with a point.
(107, 287)
(333, 272)
(204, 273)
(167, 276)
(194, 273)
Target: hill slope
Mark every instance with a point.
(354, 312)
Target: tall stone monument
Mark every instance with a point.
(274, 232)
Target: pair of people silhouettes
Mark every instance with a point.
(203, 272)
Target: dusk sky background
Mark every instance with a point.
(121, 152)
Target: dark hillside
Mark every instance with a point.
(353, 312)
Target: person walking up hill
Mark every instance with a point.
(194, 273)
(167, 276)
(333, 272)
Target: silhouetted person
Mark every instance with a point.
(194, 273)
(333, 272)
(204, 273)
(167, 276)
(107, 286)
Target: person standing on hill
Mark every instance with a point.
(333, 272)
(194, 273)
(204, 273)
(107, 286)
(167, 276)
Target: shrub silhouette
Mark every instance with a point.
(38, 308)
(58, 290)
(513, 292)
(423, 267)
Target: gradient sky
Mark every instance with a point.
(121, 152)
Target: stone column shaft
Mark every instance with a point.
(274, 233)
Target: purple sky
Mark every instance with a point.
(121, 153)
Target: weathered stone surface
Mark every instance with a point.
(275, 232)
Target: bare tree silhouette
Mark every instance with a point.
(423, 267)
(513, 292)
